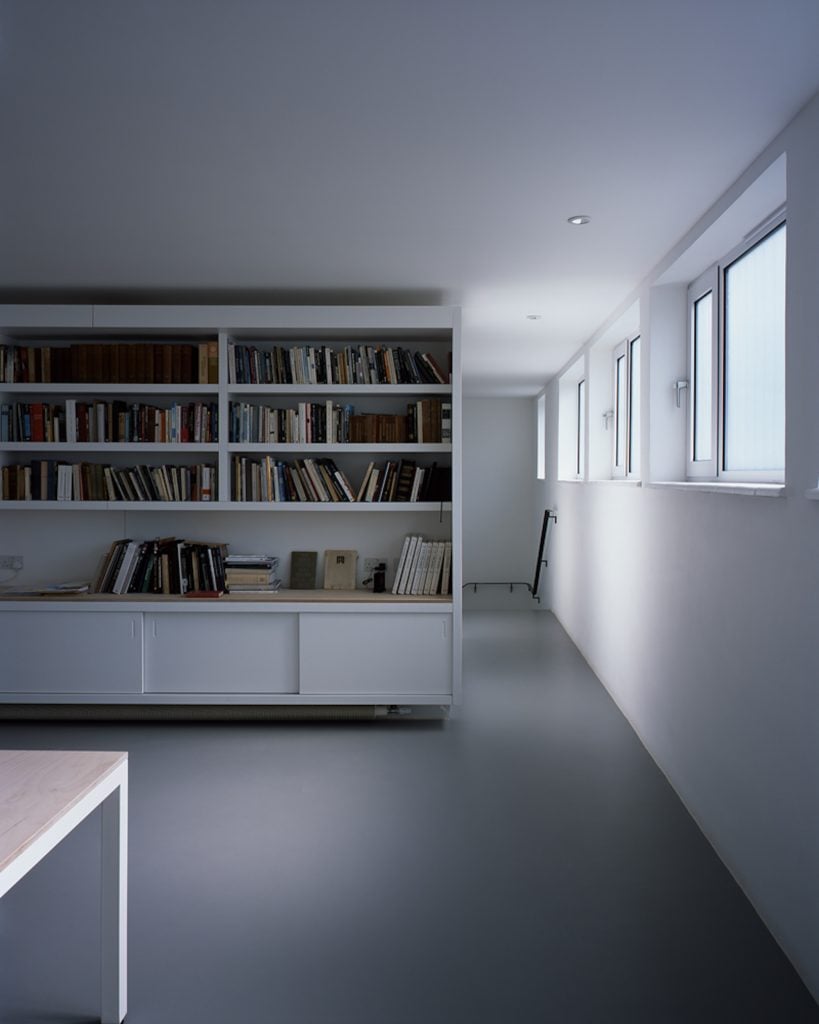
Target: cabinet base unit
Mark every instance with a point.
(250, 653)
(367, 653)
(66, 653)
(234, 655)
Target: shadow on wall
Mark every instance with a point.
(500, 598)
(515, 595)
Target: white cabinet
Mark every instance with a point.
(376, 653)
(70, 652)
(181, 654)
(248, 652)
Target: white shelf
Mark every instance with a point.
(375, 449)
(337, 506)
(317, 600)
(90, 388)
(230, 506)
(813, 494)
(338, 389)
(106, 446)
(112, 506)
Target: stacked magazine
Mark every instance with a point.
(252, 574)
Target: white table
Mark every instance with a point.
(44, 794)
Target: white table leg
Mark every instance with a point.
(115, 903)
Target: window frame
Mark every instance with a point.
(625, 463)
(580, 435)
(713, 281)
(706, 284)
(634, 407)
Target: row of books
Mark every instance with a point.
(405, 480)
(113, 421)
(427, 421)
(49, 480)
(161, 566)
(252, 574)
(269, 479)
(320, 479)
(424, 568)
(111, 362)
(321, 364)
(306, 423)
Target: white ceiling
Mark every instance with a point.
(383, 150)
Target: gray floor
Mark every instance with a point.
(524, 862)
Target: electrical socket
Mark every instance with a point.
(13, 562)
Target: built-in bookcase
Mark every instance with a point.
(158, 432)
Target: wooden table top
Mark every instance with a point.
(37, 787)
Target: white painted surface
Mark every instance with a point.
(188, 652)
(451, 185)
(114, 903)
(292, 320)
(70, 652)
(44, 795)
(376, 654)
(500, 526)
(698, 610)
(53, 315)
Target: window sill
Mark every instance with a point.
(757, 490)
(618, 481)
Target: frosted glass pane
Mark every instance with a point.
(620, 408)
(634, 407)
(703, 377)
(541, 437)
(755, 358)
(581, 428)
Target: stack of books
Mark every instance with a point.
(252, 574)
(162, 566)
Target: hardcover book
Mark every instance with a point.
(339, 569)
(303, 570)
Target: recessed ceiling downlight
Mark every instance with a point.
(579, 218)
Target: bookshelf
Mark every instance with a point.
(290, 647)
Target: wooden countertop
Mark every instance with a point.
(38, 787)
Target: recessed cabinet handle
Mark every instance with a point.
(444, 630)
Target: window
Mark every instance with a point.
(541, 437)
(634, 407)
(626, 419)
(736, 401)
(581, 430)
(571, 426)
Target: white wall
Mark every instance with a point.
(499, 521)
(700, 611)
